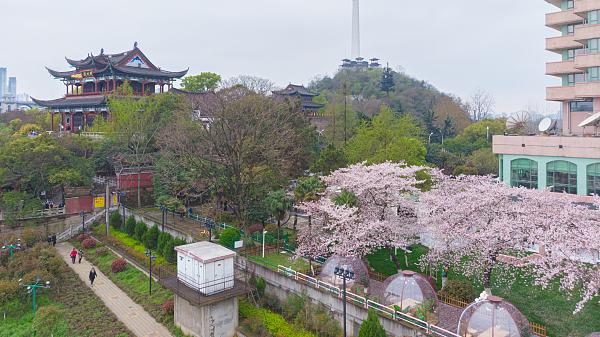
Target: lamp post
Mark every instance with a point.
(152, 258)
(32, 288)
(82, 214)
(163, 209)
(12, 247)
(210, 225)
(263, 246)
(345, 273)
(431, 134)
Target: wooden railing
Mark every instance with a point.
(538, 329)
(455, 302)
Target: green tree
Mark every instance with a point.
(485, 161)
(387, 80)
(151, 239)
(229, 236)
(476, 136)
(387, 138)
(330, 159)
(130, 226)
(140, 230)
(278, 203)
(371, 327)
(169, 251)
(308, 188)
(115, 220)
(204, 82)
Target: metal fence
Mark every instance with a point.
(42, 213)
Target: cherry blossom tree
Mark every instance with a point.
(383, 215)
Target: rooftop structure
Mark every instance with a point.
(568, 161)
(307, 106)
(95, 77)
(361, 272)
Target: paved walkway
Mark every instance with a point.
(127, 311)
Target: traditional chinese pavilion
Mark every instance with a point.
(96, 77)
(307, 106)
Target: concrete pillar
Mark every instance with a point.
(218, 319)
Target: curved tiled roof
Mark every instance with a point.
(73, 102)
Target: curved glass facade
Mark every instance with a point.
(593, 179)
(561, 176)
(524, 172)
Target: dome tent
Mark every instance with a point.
(361, 273)
(407, 289)
(492, 316)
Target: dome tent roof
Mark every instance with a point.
(407, 289)
(493, 317)
(361, 273)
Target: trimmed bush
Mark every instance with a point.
(130, 226)
(118, 265)
(229, 236)
(82, 237)
(151, 239)
(115, 220)
(88, 243)
(460, 290)
(102, 251)
(168, 307)
(140, 230)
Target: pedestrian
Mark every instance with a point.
(80, 254)
(92, 276)
(73, 255)
(53, 240)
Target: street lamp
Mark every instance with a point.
(431, 134)
(152, 258)
(163, 209)
(32, 288)
(345, 273)
(12, 247)
(210, 225)
(263, 246)
(82, 214)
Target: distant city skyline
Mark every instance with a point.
(458, 49)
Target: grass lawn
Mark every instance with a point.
(549, 307)
(273, 260)
(135, 284)
(135, 244)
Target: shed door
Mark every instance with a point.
(219, 275)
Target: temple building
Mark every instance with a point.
(94, 78)
(307, 106)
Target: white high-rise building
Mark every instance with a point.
(12, 88)
(355, 29)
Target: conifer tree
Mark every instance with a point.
(371, 327)
(387, 80)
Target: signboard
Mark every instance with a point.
(238, 244)
(114, 199)
(99, 202)
(83, 74)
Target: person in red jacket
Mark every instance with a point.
(73, 255)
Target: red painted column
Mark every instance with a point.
(114, 84)
(143, 88)
(71, 123)
(106, 87)
(96, 86)
(62, 121)
(85, 115)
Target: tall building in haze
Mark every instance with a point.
(2, 83)
(12, 88)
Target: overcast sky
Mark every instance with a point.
(457, 46)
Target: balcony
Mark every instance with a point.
(583, 6)
(586, 32)
(560, 93)
(587, 90)
(554, 2)
(561, 68)
(561, 43)
(558, 19)
(587, 61)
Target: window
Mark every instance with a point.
(593, 179)
(571, 79)
(568, 30)
(581, 106)
(567, 4)
(592, 17)
(561, 176)
(524, 172)
(592, 45)
(593, 74)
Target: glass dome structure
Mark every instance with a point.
(493, 317)
(407, 289)
(361, 273)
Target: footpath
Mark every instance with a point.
(127, 311)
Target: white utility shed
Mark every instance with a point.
(205, 266)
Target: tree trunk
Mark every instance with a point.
(139, 183)
(487, 274)
(394, 259)
(278, 232)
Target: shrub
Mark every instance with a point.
(88, 243)
(293, 306)
(118, 265)
(229, 236)
(460, 290)
(115, 220)
(101, 251)
(46, 320)
(371, 327)
(82, 237)
(130, 226)
(168, 307)
(31, 237)
(256, 326)
(261, 285)
(169, 251)
(163, 237)
(8, 291)
(140, 230)
(151, 239)
(43, 275)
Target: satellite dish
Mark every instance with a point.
(592, 120)
(517, 123)
(547, 124)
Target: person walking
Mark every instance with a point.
(92, 276)
(73, 255)
(80, 254)
(53, 240)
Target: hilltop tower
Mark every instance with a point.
(355, 29)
